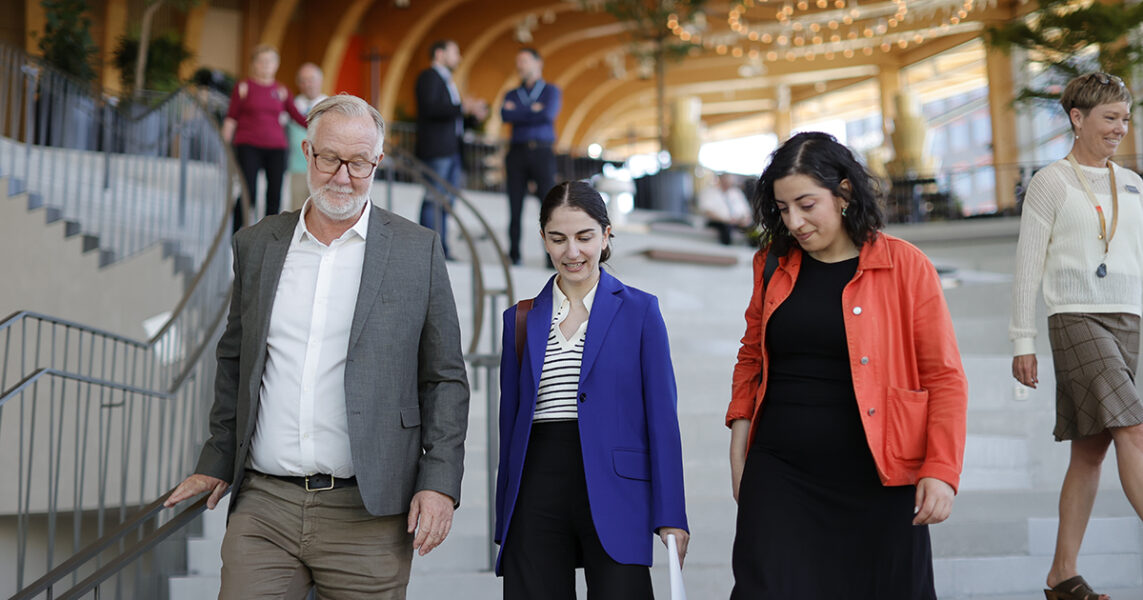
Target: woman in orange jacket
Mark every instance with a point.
(848, 410)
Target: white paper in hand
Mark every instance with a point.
(677, 591)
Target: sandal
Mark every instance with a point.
(1073, 589)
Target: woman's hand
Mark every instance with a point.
(229, 126)
(1024, 369)
(739, 432)
(681, 539)
(934, 501)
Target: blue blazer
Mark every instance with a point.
(628, 423)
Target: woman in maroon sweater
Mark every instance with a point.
(253, 125)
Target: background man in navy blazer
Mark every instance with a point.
(532, 109)
(441, 116)
(341, 399)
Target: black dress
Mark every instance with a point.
(814, 520)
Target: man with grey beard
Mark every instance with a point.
(341, 399)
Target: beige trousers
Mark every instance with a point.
(281, 540)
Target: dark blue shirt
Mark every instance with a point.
(530, 125)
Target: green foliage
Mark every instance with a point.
(66, 42)
(648, 21)
(1060, 33)
(165, 55)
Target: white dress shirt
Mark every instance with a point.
(453, 93)
(724, 206)
(302, 427)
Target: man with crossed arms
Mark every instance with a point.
(341, 399)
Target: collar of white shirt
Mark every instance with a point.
(559, 298)
(361, 227)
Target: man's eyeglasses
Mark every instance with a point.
(330, 163)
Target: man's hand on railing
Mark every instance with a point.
(195, 485)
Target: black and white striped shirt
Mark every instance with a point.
(559, 379)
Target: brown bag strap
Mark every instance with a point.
(522, 309)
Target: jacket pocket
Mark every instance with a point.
(908, 424)
(410, 417)
(632, 464)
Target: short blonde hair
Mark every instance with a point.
(350, 106)
(261, 49)
(1092, 89)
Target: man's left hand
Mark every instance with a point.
(430, 515)
(537, 107)
(934, 501)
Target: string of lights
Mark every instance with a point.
(807, 29)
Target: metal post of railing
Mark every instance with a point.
(184, 150)
(108, 123)
(30, 74)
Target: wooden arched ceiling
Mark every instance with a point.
(579, 49)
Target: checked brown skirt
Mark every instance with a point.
(1095, 356)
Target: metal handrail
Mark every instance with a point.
(72, 389)
(421, 173)
(99, 164)
(92, 550)
(118, 392)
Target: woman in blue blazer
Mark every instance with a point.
(590, 457)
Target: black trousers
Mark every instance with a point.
(252, 159)
(526, 162)
(552, 532)
(725, 231)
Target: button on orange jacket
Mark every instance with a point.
(907, 375)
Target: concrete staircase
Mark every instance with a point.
(203, 560)
(36, 246)
(996, 546)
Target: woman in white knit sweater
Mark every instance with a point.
(1082, 234)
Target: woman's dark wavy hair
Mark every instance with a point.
(821, 157)
(577, 194)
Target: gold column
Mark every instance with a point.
(114, 27)
(1005, 153)
(683, 140)
(34, 21)
(889, 78)
(783, 122)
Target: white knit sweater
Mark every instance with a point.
(1059, 242)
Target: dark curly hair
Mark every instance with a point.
(821, 157)
(581, 195)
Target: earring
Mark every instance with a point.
(843, 209)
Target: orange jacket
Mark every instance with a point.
(910, 386)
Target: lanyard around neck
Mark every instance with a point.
(1103, 234)
(532, 96)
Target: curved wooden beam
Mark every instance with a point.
(339, 41)
(477, 47)
(567, 133)
(549, 49)
(403, 55)
(275, 28)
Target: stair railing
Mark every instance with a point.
(100, 424)
(126, 176)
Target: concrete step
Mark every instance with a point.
(204, 556)
(194, 587)
(981, 576)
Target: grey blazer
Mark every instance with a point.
(406, 390)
